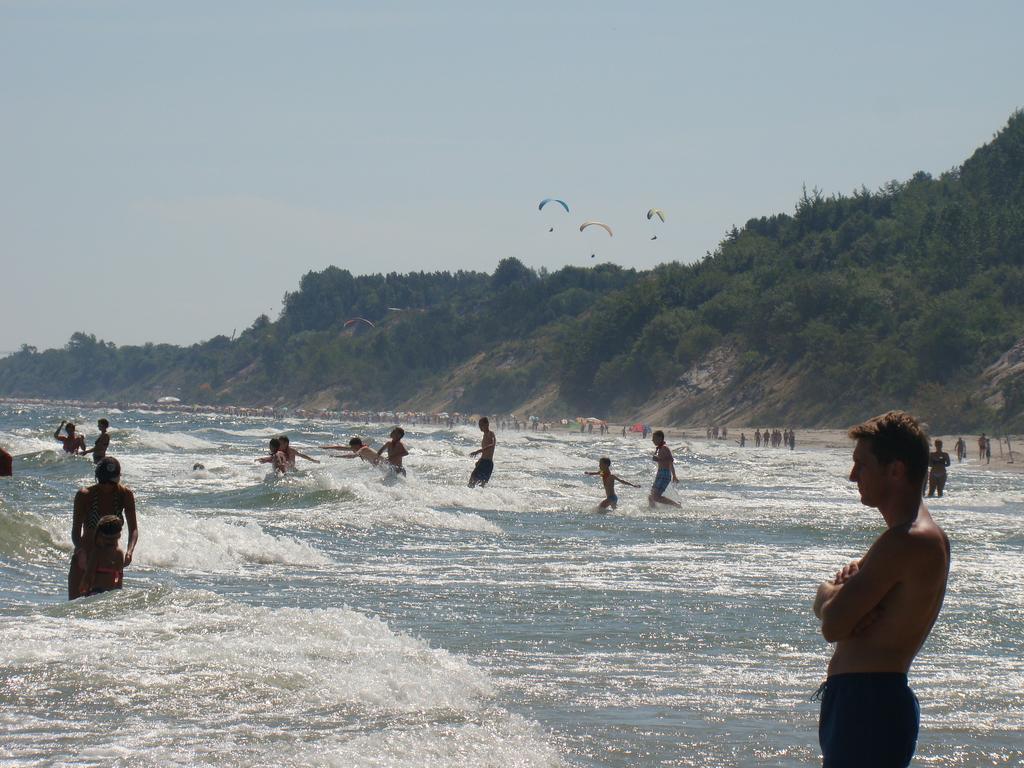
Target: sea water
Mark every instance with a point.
(330, 618)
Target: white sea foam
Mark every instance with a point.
(175, 540)
(497, 742)
(185, 654)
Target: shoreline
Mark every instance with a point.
(814, 438)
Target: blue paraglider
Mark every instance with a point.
(547, 200)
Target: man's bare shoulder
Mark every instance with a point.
(921, 542)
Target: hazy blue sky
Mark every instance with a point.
(169, 170)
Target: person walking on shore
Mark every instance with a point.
(880, 609)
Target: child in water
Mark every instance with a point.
(358, 449)
(666, 471)
(605, 471)
(105, 568)
(276, 457)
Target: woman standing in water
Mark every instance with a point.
(106, 497)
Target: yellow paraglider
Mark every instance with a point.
(603, 226)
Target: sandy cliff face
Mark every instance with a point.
(1001, 375)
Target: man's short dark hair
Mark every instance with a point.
(103, 423)
(658, 433)
(896, 436)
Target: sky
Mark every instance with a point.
(168, 171)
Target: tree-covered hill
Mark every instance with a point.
(899, 297)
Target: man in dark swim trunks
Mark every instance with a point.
(73, 443)
(485, 464)
(879, 610)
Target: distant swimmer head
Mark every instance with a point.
(356, 443)
(398, 433)
(274, 444)
(108, 470)
(484, 423)
(196, 467)
(103, 424)
(109, 525)
(604, 462)
(69, 428)
(284, 440)
(938, 445)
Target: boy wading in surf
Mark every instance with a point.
(358, 450)
(666, 471)
(878, 610)
(609, 480)
(276, 457)
(485, 465)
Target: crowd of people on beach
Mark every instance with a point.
(878, 609)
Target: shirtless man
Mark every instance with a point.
(99, 448)
(879, 609)
(395, 450)
(73, 443)
(290, 453)
(485, 464)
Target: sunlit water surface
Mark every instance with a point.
(330, 618)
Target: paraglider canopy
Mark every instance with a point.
(656, 212)
(603, 226)
(547, 200)
(356, 320)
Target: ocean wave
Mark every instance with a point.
(174, 540)
(23, 534)
(191, 651)
(165, 441)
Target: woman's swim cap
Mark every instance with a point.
(108, 470)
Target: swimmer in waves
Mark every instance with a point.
(73, 443)
(357, 450)
(395, 451)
